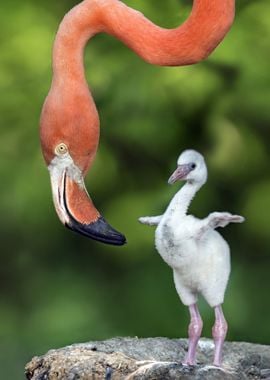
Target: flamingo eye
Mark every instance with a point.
(61, 149)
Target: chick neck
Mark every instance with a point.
(179, 204)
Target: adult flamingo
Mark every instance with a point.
(69, 120)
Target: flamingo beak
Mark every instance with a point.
(180, 173)
(76, 210)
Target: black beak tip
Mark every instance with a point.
(99, 230)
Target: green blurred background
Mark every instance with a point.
(58, 287)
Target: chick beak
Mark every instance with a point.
(77, 212)
(180, 173)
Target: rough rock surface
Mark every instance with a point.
(150, 358)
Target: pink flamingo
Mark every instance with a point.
(69, 121)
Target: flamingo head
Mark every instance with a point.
(191, 167)
(68, 158)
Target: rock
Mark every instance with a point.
(149, 358)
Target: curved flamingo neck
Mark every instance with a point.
(75, 30)
(191, 42)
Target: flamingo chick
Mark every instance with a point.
(197, 253)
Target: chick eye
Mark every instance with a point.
(193, 166)
(61, 149)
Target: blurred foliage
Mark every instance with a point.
(58, 287)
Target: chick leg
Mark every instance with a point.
(194, 333)
(219, 332)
